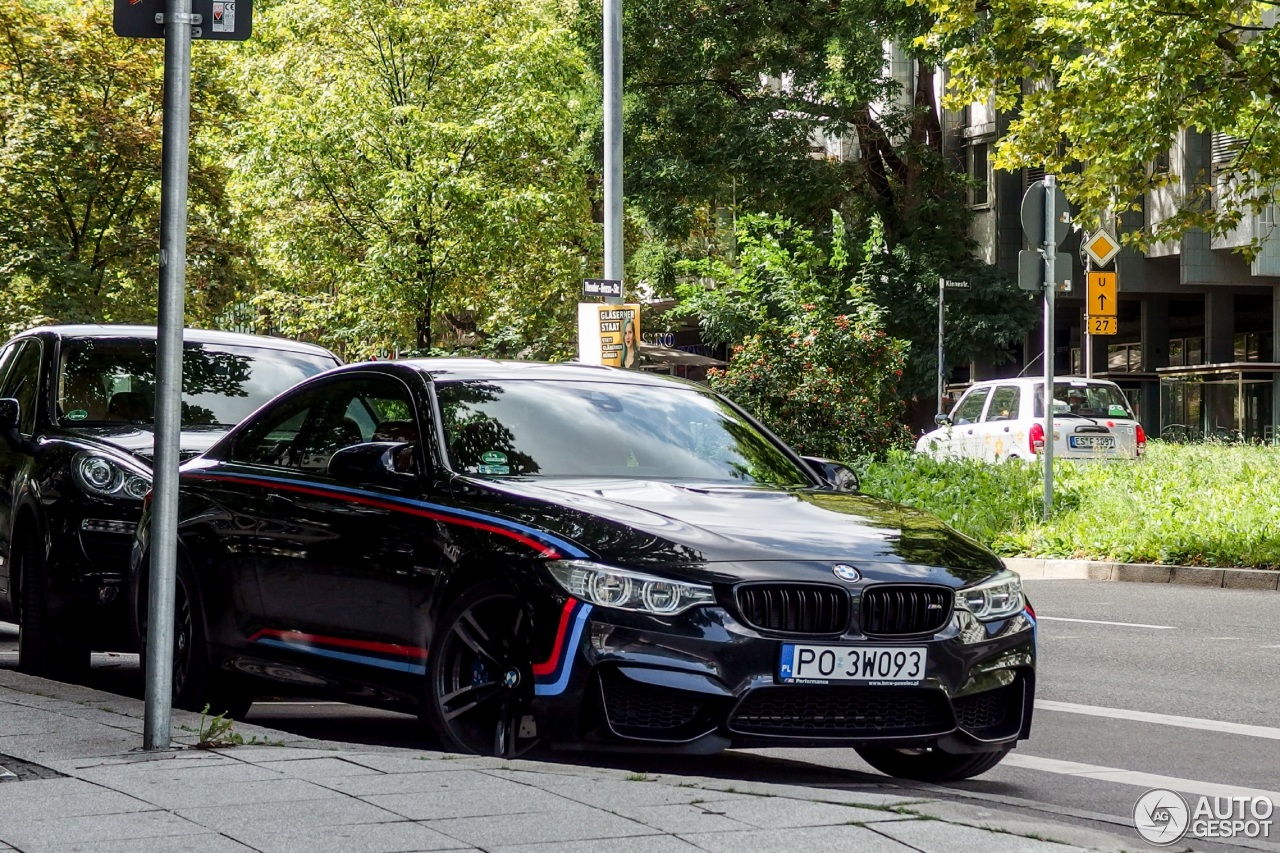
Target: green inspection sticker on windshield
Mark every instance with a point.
(494, 457)
(494, 469)
(77, 415)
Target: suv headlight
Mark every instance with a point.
(105, 477)
(998, 597)
(610, 587)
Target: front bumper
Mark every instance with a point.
(702, 681)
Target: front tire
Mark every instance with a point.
(480, 675)
(930, 765)
(44, 648)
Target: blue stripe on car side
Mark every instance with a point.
(569, 653)
(414, 668)
(568, 548)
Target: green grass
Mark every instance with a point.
(1193, 505)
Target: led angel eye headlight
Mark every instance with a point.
(627, 590)
(998, 597)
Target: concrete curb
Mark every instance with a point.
(1034, 568)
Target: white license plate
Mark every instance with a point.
(1090, 441)
(874, 665)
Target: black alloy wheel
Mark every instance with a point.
(930, 765)
(480, 675)
(43, 649)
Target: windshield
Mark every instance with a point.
(1085, 399)
(114, 380)
(551, 429)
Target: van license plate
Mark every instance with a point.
(1092, 441)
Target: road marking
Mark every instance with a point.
(299, 703)
(1100, 622)
(1134, 777)
(1160, 719)
(1224, 638)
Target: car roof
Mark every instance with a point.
(203, 336)
(470, 369)
(1039, 380)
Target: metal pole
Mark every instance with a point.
(1088, 336)
(942, 373)
(168, 414)
(613, 260)
(1051, 286)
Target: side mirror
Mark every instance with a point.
(942, 419)
(840, 476)
(385, 463)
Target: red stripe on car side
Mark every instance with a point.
(548, 666)
(543, 550)
(316, 639)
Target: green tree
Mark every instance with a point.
(812, 359)
(80, 132)
(407, 170)
(724, 108)
(1097, 91)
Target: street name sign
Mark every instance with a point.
(601, 287)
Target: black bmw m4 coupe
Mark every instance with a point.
(588, 558)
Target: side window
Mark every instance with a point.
(270, 440)
(969, 409)
(352, 411)
(1004, 404)
(6, 359)
(22, 383)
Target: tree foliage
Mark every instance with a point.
(80, 128)
(1098, 91)
(408, 170)
(812, 359)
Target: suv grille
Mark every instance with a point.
(890, 611)
(794, 608)
(842, 712)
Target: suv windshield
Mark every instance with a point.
(542, 428)
(1085, 399)
(114, 380)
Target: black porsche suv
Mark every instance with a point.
(76, 406)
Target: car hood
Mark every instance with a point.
(663, 524)
(139, 440)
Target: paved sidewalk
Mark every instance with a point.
(73, 777)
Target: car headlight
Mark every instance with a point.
(610, 587)
(105, 477)
(998, 597)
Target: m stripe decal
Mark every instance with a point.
(550, 546)
(395, 657)
(563, 653)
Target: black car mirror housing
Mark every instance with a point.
(942, 419)
(375, 463)
(840, 476)
(10, 414)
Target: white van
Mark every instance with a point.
(1003, 419)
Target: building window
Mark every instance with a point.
(1175, 352)
(1253, 346)
(979, 173)
(1124, 358)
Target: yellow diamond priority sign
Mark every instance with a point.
(1102, 247)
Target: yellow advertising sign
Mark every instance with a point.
(609, 334)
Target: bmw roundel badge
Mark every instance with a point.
(846, 573)
(511, 678)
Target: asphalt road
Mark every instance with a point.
(1140, 686)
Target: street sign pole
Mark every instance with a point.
(158, 712)
(1088, 336)
(1050, 257)
(613, 259)
(942, 372)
